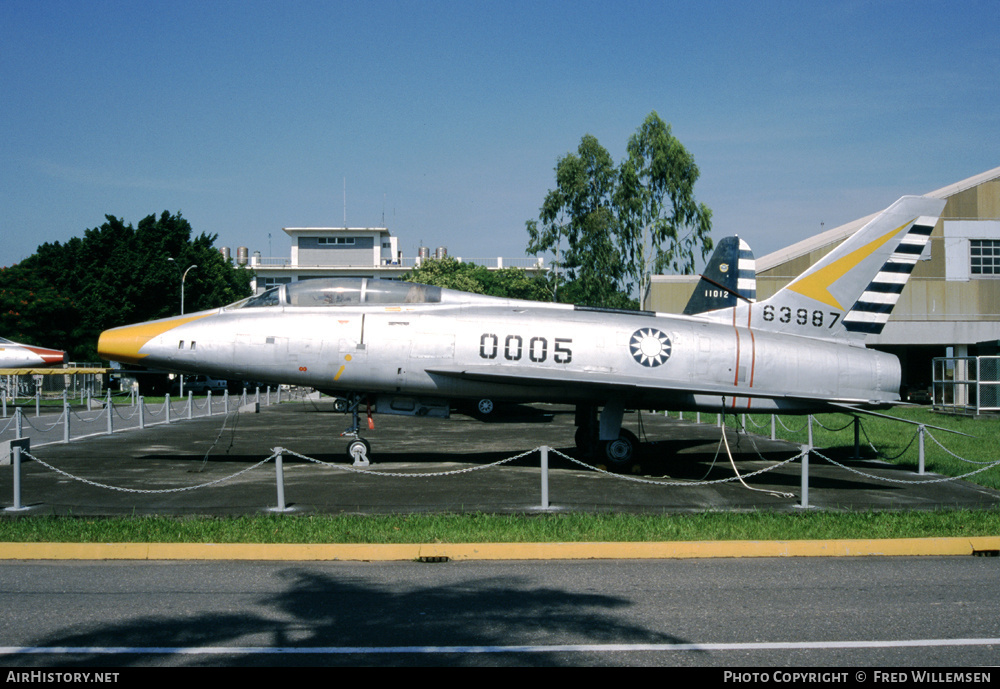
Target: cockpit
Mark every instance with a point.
(343, 292)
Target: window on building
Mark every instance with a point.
(268, 283)
(341, 241)
(985, 256)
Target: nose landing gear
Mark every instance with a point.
(359, 449)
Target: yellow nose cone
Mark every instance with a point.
(123, 344)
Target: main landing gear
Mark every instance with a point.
(605, 441)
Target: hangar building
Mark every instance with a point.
(949, 307)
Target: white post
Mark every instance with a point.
(280, 479)
(545, 477)
(805, 476)
(921, 449)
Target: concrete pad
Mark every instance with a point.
(444, 465)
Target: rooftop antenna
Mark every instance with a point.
(345, 203)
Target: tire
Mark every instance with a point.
(620, 455)
(358, 451)
(485, 407)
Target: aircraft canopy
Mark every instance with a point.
(345, 292)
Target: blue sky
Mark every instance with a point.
(447, 118)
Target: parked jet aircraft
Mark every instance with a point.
(17, 355)
(410, 349)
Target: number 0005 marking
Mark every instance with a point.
(514, 349)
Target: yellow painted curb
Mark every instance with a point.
(495, 551)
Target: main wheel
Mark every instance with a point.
(485, 406)
(620, 454)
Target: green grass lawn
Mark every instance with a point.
(896, 442)
(492, 528)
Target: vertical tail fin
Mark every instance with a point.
(730, 276)
(851, 291)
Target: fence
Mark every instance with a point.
(108, 415)
(51, 385)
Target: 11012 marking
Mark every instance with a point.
(515, 348)
(814, 318)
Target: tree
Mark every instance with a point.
(620, 223)
(115, 274)
(581, 210)
(512, 283)
(661, 223)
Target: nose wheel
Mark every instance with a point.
(358, 451)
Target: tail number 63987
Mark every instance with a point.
(814, 318)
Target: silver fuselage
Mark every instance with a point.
(469, 346)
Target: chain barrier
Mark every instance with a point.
(961, 459)
(755, 424)
(146, 490)
(27, 419)
(943, 479)
(149, 410)
(790, 430)
(9, 422)
(880, 454)
(635, 479)
(83, 420)
(174, 413)
(406, 475)
(833, 430)
(741, 430)
(121, 416)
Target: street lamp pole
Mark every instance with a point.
(183, 277)
(182, 286)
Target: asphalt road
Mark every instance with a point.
(864, 613)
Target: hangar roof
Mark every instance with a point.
(838, 234)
